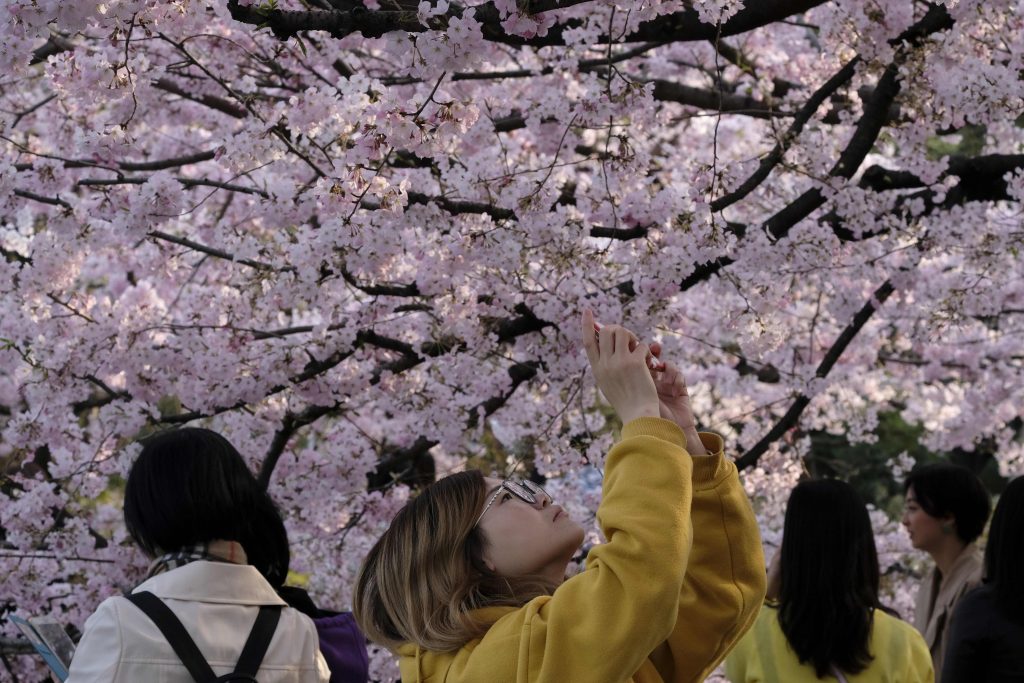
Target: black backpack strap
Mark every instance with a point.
(259, 640)
(179, 639)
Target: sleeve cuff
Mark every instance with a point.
(709, 469)
(665, 430)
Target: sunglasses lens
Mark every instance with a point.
(532, 487)
(519, 489)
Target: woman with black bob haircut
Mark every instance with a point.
(209, 604)
(190, 486)
(986, 641)
(823, 618)
(946, 507)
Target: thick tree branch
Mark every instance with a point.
(457, 207)
(162, 164)
(668, 91)
(52, 201)
(876, 111)
(403, 464)
(876, 114)
(792, 133)
(216, 253)
(397, 463)
(289, 425)
(980, 178)
(679, 27)
(792, 415)
(16, 646)
(525, 323)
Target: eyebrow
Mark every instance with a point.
(491, 492)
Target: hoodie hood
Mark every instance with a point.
(419, 665)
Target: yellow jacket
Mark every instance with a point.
(764, 656)
(680, 579)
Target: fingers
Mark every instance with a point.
(606, 340)
(623, 340)
(589, 338)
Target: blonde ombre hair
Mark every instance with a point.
(422, 580)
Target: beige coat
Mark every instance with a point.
(937, 597)
(217, 603)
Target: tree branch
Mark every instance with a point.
(668, 91)
(804, 115)
(981, 178)
(680, 27)
(16, 646)
(212, 101)
(792, 415)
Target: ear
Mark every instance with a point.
(486, 557)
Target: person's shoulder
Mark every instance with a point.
(106, 615)
(883, 621)
(907, 640)
(977, 600)
(110, 608)
(983, 593)
(292, 618)
(974, 565)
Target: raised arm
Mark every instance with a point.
(626, 600)
(724, 585)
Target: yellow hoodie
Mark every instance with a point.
(680, 579)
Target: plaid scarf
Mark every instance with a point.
(213, 551)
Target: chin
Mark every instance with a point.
(579, 534)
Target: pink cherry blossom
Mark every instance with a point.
(373, 240)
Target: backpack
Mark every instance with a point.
(170, 626)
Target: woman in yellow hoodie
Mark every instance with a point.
(468, 583)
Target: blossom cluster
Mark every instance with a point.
(362, 255)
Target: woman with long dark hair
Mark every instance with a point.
(208, 605)
(986, 641)
(828, 622)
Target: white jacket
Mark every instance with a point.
(217, 602)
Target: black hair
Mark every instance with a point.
(190, 486)
(830, 577)
(943, 489)
(1004, 554)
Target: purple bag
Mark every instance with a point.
(343, 645)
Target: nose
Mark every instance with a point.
(544, 500)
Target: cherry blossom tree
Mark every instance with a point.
(355, 237)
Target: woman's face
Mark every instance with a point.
(924, 530)
(524, 538)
